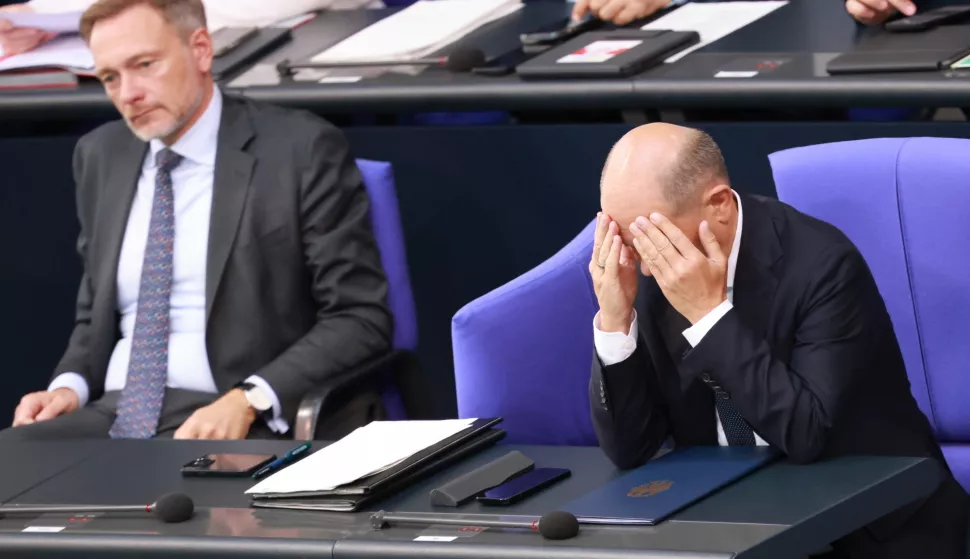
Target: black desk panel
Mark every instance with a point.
(781, 511)
(28, 464)
(805, 33)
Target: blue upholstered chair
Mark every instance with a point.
(524, 351)
(904, 202)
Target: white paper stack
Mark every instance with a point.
(367, 451)
(68, 52)
(713, 20)
(418, 31)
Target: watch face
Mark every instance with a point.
(258, 399)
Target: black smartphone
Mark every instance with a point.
(520, 487)
(928, 20)
(568, 31)
(225, 39)
(227, 465)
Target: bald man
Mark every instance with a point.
(729, 320)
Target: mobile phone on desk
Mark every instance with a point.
(227, 464)
(520, 487)
(928, 20)
(225, 39)
(568, 31)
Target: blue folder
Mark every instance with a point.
(661, 487)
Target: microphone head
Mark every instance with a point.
(174, 507)
(465, 59)
(558, 525)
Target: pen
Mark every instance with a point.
(285, 460)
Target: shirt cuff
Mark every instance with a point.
(614, 347)
(696, 333)
(277, 424)
(75, 382)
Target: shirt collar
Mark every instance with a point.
(735, 246)
(199, 142)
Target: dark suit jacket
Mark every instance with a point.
(294, 289)
(808, 357)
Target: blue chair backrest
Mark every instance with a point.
(378, 178)
(524, 351)
(903, 202)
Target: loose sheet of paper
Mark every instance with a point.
(713, 20)
(418, 30)
(62, 22)
(368, 450)
(62, 52)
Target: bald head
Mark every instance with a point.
(672, 170)
(672, 163)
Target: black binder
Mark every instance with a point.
(348, 498)
(884, 52)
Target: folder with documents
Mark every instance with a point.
(371, 462)
(663, 486)
(418, 31)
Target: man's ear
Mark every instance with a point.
(720, 201)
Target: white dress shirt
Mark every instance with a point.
(232, 13)
(614, 347)
(188, 361)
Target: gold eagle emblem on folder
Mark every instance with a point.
(652, 488)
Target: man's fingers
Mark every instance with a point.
(187, 430)
(904, 6)
(611, 9)
(711, 246)
(648, 252)
(860, 13)
(27, 411)
(604, 253)
(628, 14)
(5, 25)
(602, 223)
(661, 243)
(613, 258)
(53, 409)
(579, 9)
(673, 234)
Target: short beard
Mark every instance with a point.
(174, 128)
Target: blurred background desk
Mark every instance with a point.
(779, 512)
(480, 203)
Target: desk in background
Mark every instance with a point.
(781, 511)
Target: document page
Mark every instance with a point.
(368, 450)
(713, 20)
(418, 30)
(62, 22)
(62, 52)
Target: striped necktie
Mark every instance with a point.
(141, 400)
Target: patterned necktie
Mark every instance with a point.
(141, 400)
(736, 429)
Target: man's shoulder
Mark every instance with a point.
(107, 136)
(805, 239)
(291, 126)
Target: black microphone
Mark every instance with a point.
(463, 59)
(555, 525)
(170, 508)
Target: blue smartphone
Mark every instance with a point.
(520, 487)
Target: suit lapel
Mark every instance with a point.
(233, 173)
(755, 282)
(115, 202)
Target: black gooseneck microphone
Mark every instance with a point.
(555, 525)
(463, 59)
(170, 508)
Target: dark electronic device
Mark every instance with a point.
(461, 60)
(568, 31)
(468, 486)
(555, 525)
(519, 488)
(607, 54)
(170, 508)
(225, 39)
(928, 20)
(227, 465)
